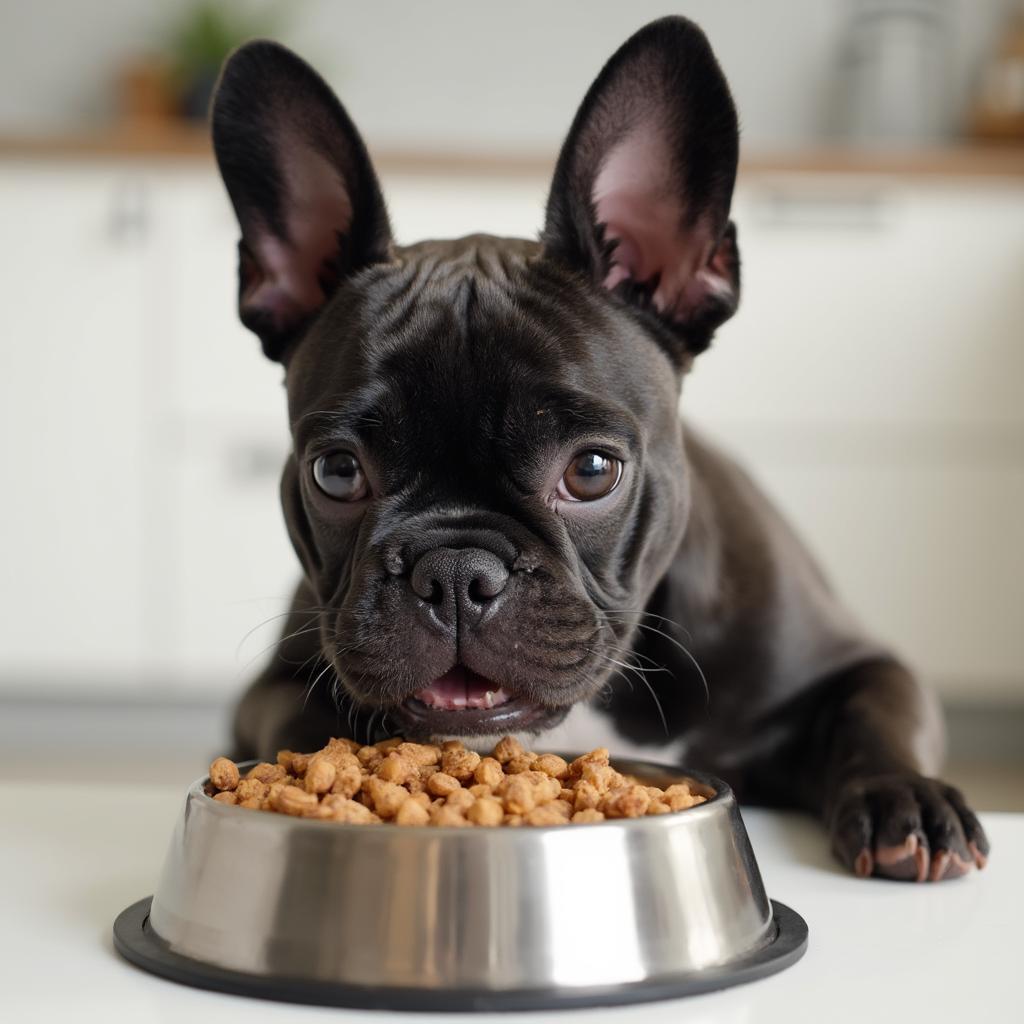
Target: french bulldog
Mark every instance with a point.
(504, 525)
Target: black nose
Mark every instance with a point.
(458, 581)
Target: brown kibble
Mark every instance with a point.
(507, 748)
(546, 815)
(601, 776)
(388, 797)
(520, 763)
(251, 789)
(626, 802)
(347, 781)
(441, 784)
(518, 796)
(294, 801)
(460, 764)
(420, 754)
(320, 775)
(444, 815)
(488, 772)
(597, 756)
(587, 796)
(486, 811)
(224, 773)
(412, 813)
(395, 768)
(551, 764)
(417, 784)
(266, 772)
(461, 800)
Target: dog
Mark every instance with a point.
(502, 520)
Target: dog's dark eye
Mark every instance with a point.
(589, 476)
(339, 476)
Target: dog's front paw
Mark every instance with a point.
(906, 827)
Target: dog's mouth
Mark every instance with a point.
(462, 702)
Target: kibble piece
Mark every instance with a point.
(452, 745)
(460, 764)
(544, 816)
(626, 802)
(412, 813)
(447, 816)
(519, 763)
(561, 807)
(390, 743)
(587, 796)
(251, 789)
(395, 768)
(225, 797)
(507, 748)
(320, 775)
(266, 772)
(441, 784)
(353, 813)
(486, 811)
(587, 816)
(601, 776)
(388, 797)
(295, 801)
(518, 796)
(224, 773)
(489, 772)
(551, 764)
(597, 756)
(347, 781)
(461, 800)
(299, 764)
(253, 803)
(420, 754)
(421, 798)
(513, 820)
(658, 807)
(369, 757)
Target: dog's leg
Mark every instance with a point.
(862, 757)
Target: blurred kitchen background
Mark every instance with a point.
(873, 378)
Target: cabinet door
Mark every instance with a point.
(79, 321)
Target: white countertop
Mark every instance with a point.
(71, 858)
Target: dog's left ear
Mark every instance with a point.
(641, 193)
(303, 188)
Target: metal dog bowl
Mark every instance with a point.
(463, 919)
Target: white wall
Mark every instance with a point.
(502, 76)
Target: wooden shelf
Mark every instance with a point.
(192, 142)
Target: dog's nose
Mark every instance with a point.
(458, 581)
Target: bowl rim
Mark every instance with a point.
(722, 796)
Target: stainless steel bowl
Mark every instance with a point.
(458, 919)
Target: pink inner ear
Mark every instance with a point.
(286, 280)
(633, 197)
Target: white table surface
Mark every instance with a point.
(71, 858)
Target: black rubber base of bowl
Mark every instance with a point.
(136, 941)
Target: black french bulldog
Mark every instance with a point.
(500, 516)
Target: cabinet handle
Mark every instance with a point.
(856, 210)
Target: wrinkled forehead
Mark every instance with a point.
(447, 351)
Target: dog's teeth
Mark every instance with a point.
(489, 698)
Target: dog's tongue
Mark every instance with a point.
(460, 688)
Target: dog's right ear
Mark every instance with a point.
(303, 188)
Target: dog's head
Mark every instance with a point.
(488, 477)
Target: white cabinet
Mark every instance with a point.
(75, 384)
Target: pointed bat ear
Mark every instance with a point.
(642, 188)
(307, 200)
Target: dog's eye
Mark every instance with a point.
(339, 476)
(589, 476)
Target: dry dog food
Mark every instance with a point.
(423, 784)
